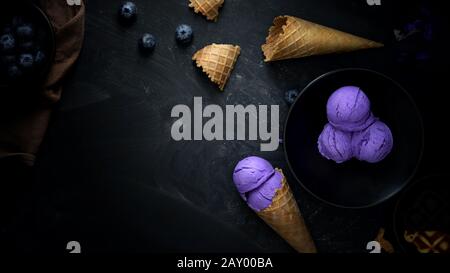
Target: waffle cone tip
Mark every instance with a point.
(284, 217)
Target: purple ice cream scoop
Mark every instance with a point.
(257, 181)
(348, 109)
(373, 144)
(335, 144)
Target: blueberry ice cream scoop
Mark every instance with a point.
(257, 182)
(374, 143)
(335, 144)
(348, 109)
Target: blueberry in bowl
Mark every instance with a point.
(27, 46)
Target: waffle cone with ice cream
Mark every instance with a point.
(209, 8)
(291, 37)
(217, 61)
(267, 192)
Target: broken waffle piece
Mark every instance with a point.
(209, 8)
(217, 61)
(385, 244)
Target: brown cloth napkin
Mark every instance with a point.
(24, 121)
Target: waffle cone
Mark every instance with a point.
(284, 216)
(217, 61)
(209, 8)
(292, 37)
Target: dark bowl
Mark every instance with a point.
(353, 184)
(44, 38)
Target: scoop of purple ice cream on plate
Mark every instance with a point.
(373, 144)
(348, 109)
(257, 182)
(335, 144)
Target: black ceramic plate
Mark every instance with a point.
(353, 184)
(424, 206)
(44, 40)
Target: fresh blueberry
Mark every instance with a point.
(291, 95)
(7, 42)
(27, 46)
(39, 58)
(184, 34)
(14, 72)
(25, 31)
(147, 42)
(128, 11)
(8, 59)
(26, 61)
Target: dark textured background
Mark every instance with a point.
(110, 176)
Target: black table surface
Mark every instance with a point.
(109, 174)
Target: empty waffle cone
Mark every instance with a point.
(217, 61)
(284, 216)
(209, 8)
(292, 37)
